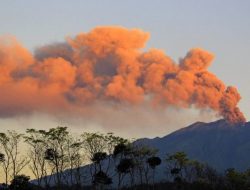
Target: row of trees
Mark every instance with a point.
(55, 159)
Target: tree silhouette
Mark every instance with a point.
(102, 179)
(176, 164)
(120, 152)
(56, 139)
(14, 161)
(97, 158)
(236, 180)
(75, 159)
(2, 157)
(36, 140)
(121, 149)
(153, 162)
(125, 166)
(140, 153)
(20, 182)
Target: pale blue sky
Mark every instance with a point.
(220, 26)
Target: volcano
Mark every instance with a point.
(219, 144)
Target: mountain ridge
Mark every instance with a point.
(219, 144)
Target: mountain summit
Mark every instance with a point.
(219, 144)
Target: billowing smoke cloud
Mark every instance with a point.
(108, 65)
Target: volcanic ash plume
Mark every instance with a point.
(108, 65)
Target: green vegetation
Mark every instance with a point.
(55, 158)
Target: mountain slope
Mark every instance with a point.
(219, 144)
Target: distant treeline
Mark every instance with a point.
(56, 158)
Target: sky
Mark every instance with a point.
(221, 27)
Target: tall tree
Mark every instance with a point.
(176, 164)
(140, 153)
(55, 153)
(14, 161)
(36, 139)
(153, 162)
(75, 158)
(124, 163)
(93, 143)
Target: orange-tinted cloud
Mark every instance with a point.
(108, 64)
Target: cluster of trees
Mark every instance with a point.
(55, 158)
